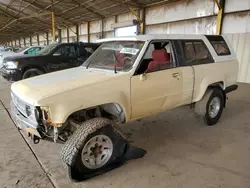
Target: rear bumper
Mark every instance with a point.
(231, 88)
(10, 75)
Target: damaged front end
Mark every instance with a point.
(36, 121)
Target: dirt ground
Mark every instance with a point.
(181, 152)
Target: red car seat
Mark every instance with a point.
(160, 61)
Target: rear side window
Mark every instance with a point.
(219, 45)
(195, 53)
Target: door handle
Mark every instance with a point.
(176, 74)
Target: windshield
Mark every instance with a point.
(48, 49)
(8, 50)
(21, 49)
(118, 55)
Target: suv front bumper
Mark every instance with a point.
(10, 75)
(22, 122)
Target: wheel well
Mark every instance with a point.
(34, 67)
(220, 86)
(112, 111)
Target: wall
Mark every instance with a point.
(186, 16)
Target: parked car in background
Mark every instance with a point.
(9, 49)
(32, 50)
(57, 56)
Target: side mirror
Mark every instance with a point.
(56, 54)
(143, 76)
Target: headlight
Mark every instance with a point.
(28, 110)
(11, 64)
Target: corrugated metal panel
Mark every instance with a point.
(94, 37)
(125, 17)
(236, 23)
(64, 39)
(197, 26)
(109, 34)
(95, 26)
(241, 45)
(83, 38)
(177, 11)
(83, 29)
(72, 31)
(64, 33)
(107, 23)
(237, 5)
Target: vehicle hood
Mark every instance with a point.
(19, 57)
(6, 54)
(34, 89)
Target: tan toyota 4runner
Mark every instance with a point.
(124, 80)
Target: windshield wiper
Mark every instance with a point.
(116, 61)
(87, 66)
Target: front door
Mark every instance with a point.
(155, 92)
(65, 57)
(157, 84)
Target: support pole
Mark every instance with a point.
(140, 19)
(24, 42)
(77, 33)
(47, 38)
(60, 35)
(30, 40)
(15, 43)
(102, 29)
(19, 42)
(220, 5)
(142, 25)
(37, 38)
(88, 31)
(53, 26)
(67, 34)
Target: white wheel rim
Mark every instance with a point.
(214, 107)
(97, 152)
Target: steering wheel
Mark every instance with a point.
(128, 62)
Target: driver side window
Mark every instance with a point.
(66, 51)
(159, 56)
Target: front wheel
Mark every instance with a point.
(93, 146)
(31, 73)
(210, 107)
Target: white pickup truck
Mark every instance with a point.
(124, 80)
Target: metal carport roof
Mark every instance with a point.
(21, 18)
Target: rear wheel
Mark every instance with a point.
(31, 73)
(210, 107)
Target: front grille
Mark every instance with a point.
(20, 104)
(21, 107)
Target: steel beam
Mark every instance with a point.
(77, 33)
(220, 4)
(30, 40)
(143, 17)
(67, 34)
(88, 31)
(37, 38)
(24, 41)
(47, 38)
(53, 26)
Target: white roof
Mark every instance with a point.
(153, 37)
